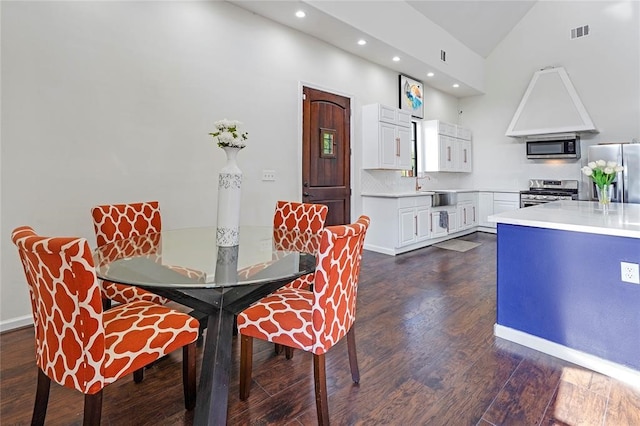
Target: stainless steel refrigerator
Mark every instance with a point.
(626, 186)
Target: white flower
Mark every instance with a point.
(228, 133)
(602, 172)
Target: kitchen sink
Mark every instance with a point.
(444, 198)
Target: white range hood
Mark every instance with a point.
(550, 105)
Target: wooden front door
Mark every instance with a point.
(326, 153)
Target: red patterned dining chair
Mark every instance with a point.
(113, 222)
(82, 347)
(312, 320)
(307, 220)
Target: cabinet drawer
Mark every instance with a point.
(463, 133)
(404, 119)
(447, 129)
(506, 196)
(387, 114)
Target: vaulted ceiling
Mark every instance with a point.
(478, 26)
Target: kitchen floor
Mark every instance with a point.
(426, 352)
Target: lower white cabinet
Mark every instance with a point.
(396, 222)
(494, 203)
(414, 225)
(442, 226)
(467, 210)
(403, 223)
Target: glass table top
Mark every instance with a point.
(190, 258)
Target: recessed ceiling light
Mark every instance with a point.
(456, 85)
(396, 58)
(430, 74)
(362, 42)
(301, 14)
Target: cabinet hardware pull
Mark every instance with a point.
(397, 147)
(465, 156)
(448, 153)
(415, 219)
(474, 213)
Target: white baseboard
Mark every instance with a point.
(14, 323)
(592, 362)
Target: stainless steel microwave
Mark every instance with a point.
(553, 146)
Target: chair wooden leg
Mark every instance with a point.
(246, 361)
(42, 399)
(106, 304)
(138, 375)
(320, 379)
(92, 409)
(353, 357)
(189, 375)
(288, 352)
(278, 348)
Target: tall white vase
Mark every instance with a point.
(229, 189)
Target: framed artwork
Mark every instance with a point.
(411, 96)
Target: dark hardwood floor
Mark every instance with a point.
(426, 351)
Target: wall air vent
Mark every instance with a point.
(579, 32)
(443, 56)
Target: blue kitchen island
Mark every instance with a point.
(560, 288)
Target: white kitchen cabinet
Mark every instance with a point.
(437, 225)
(485, 209)
(494, 203)
(386, 132)
(444, 147)
(397, 223)
(414, 225)
(505, 201)
(467, 210)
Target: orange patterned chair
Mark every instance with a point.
(306, 218)
(112, 222)
(82, 347)
(312, 320)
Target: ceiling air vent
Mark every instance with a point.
(579, 32)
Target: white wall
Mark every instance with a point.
(604, 68)
(107, 102)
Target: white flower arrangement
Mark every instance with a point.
(602, 172)
(228, 134)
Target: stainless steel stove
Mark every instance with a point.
(545, 191)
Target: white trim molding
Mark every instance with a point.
(592, 362)
(17, 322)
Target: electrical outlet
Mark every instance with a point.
(269, 175)
(629, 272)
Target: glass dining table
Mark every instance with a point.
(186, 266)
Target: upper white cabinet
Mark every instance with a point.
(386, 132)
(445, 147)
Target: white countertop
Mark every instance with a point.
(621, 220)
(421, 193)
(397, 194)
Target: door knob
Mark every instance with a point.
(306, 194)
